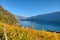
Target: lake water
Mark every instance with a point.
(41, 26)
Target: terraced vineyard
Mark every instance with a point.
(7, 17)
(19, 33)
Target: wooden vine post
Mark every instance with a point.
(5, 34)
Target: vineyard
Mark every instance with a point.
(9, 32)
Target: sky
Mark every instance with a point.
(29, 8)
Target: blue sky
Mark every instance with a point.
(29, 8)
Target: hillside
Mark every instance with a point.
(19, 33)
(6, 16)
(52, 17)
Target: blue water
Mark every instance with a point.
(41, 26)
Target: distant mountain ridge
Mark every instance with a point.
(20, 17)
(6, 16)
(52, 17)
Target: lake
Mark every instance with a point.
(41, 26)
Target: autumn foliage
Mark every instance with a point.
(19, 33)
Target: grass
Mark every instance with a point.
(19, 33)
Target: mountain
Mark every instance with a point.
(20, 17)
(7, 17)
(51, 17)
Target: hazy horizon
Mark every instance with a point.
(29, 8)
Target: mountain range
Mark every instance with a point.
(20, 17)
(50, 17)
